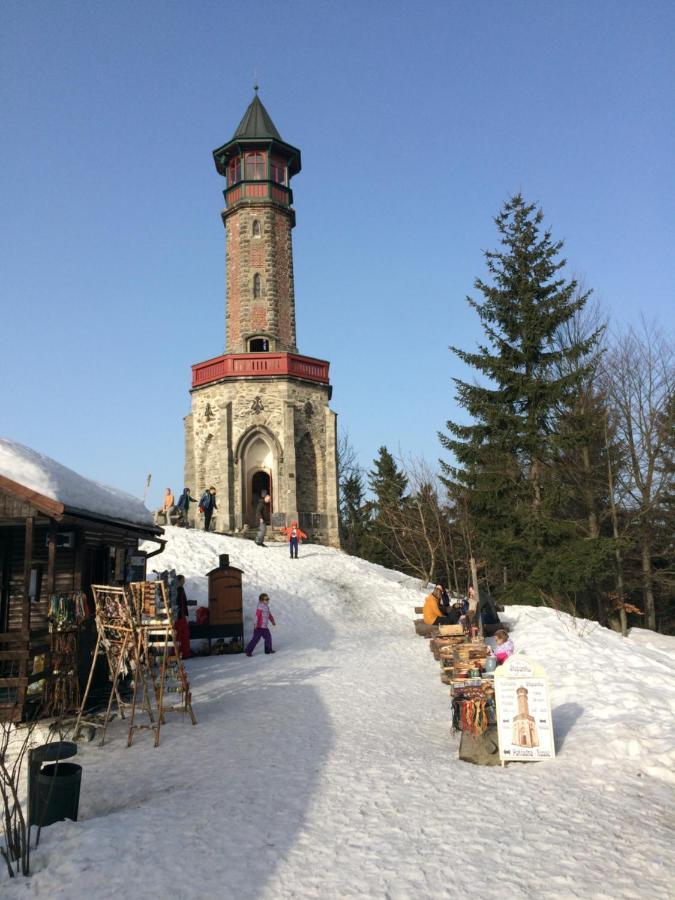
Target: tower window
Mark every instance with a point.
(278, 171)
(256, 286)
(255, 228)
(234, 170)
(259, 345)
(255, 166)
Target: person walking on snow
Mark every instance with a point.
(262, 513)
(294, 534)
(207, 505)
(262, 617)
(181, 624)
(183, 506)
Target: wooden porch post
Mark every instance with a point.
(474, 582)
(78, 574)
(27, 566)
(51, 558)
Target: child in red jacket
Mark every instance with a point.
(294, 534)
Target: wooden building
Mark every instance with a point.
(59, 534)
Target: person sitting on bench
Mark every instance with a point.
(433, 615)
(484, 605)
(167, 507)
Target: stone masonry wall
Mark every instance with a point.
(270, 256)
(294, 416)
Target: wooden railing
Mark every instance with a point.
(255, 190)
(260, 365)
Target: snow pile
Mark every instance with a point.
(329, 769)
(44, 475)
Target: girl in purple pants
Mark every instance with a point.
(262, 617)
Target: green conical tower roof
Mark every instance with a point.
(256, 123)
(257, 129)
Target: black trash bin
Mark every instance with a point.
(54, 790)
(58, 793)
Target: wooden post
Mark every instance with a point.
(474, 582)
(79, 561)
(51, 557)
(615, 533)
(27, 566)
(25, 618)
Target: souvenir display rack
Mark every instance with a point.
(472, 688)
(162, 670)
(68, 610)
(115, 639)
(135, 631)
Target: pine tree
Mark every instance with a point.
(387, 482)
(353, 515)
(388, 485)
(504, 456)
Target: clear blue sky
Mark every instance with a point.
(415, 121)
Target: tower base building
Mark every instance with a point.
(260, 420)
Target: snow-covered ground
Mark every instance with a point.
(329, 769)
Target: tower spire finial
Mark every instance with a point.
(256, 86)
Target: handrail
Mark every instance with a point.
(260, 365)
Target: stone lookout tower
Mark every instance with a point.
(260, 420)
(524, 727)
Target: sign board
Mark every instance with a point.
(524, 723)
(136, 563)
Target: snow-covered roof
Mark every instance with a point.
(45, 476)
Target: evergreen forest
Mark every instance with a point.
(556, 474)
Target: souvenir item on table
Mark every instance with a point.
(472, 715)
(67, 609)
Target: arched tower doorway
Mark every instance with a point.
(261, 484)
(257, 474)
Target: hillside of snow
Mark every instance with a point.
(329, 770)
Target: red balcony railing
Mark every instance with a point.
(259, 365)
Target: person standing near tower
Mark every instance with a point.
(294, 535)
(262, 514)
(207, 505)
(183, 506)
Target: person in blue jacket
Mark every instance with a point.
(183, 506)
(207, 505)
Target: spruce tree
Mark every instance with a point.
(388, 485)
(504, 454)
(353, 515)
(387, 482)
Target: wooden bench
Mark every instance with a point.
(423, 629)
(214, 632)
(173, 518)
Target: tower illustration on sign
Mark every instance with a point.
(257, 437)
(524, 726)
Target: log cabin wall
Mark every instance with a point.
(95, 553)
(64, 573)
(91, 560)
